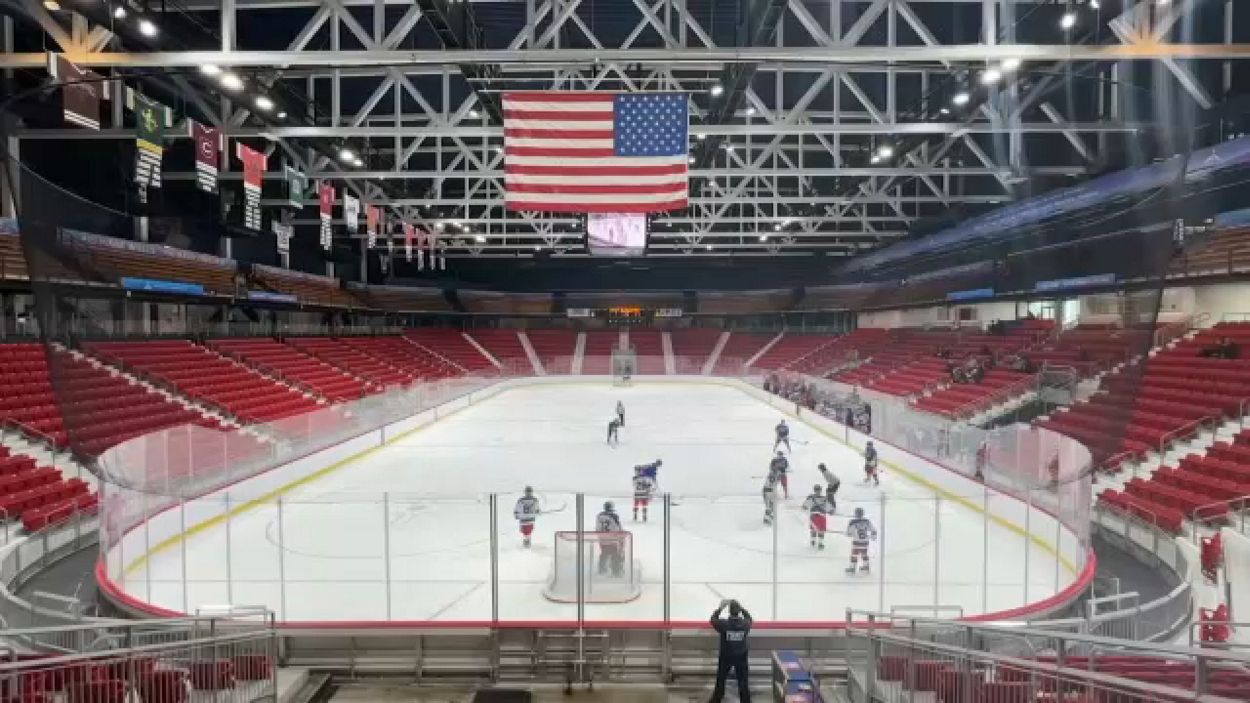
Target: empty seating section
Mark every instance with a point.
(206, 376)
(745, 302)
(1225, 251)
(341, 353)
(966, 399)
(115, 258)
(293, 365)
(1164, 397)
(649, 345)
(738, 350)
(856, 344)
(26, 395)
(554, 348)
(153, 677)
(101, 409)
(39, 495)
(12, 260)
(597, 356)
(945, 681)
(791, 348)
(306, 287)
(405, 356)
(1092, 348)
(693, 346)
(451, 345)
(504, 344)
(505, 303)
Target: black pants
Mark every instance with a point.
(741, 669)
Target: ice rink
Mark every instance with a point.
(336, 550)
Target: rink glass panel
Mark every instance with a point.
(368, 555)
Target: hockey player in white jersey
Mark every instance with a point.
(779, 466)
(831, 489)
(770, 497)
(644, 491)
(817, 507)
(620, 413)
(526, 513)
(861, 532)
(783, 436)
(610, 558)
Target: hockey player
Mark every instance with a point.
(861, 532)
(770, 497)
(783, 436)
(614, 427)
(651, 471)
(610, 559)
(526, 512)
(780, 465)
(620, 413)
(817, 507)
(644, 491)
(870, 465)
(831, 489)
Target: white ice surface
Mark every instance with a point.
(325, 558)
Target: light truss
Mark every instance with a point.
(837, 80)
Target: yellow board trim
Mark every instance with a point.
(165, 544)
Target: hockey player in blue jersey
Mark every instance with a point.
(651, 471)
(783, 436)
(779, 466)
(870, 465)
(861, 532)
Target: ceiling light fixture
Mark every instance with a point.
(474, 114)
(1011, 64)
(1068, 21)
(1094, 4)
(347, 154)
(875, 159)
(358, 162)
(537, 248)
(763, 237)
(991, 76)
(709, 247)
(717, 89)
(776, 228)
(700, 136)
(885, 151)
(961, 98)
(51, 5)
(209, 69)
(282, 115)
(479, 239)
(944, 111)
(119, 13)
(750, 111)
(231, 81)
(147, 28)
(264, 103)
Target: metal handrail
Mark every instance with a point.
(1195, 520)
(31, 433)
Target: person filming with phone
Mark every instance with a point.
(734, 652)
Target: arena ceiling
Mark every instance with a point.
(819, 127)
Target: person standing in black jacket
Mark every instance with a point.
(734, 651)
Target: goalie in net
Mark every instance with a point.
(608, 571)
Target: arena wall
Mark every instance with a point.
(170, 527)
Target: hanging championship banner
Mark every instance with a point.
(390, 242)
(420, 253)
(207, 155)
(409, 233)
(373, 214)
(151, 121)
(81, 91)
(384, 263)
(282, 234)
(351, 212)
(325, 197)
(296, 187)
(442, 259)
(254, 164)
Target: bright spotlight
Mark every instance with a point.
(1068, 21)
(885, 151)
(264, 103)
(961, 98)
(347, 154)
(1011, 64)
(147, 28)
(119, 13)
(717, 89)
(210, 69)
(991, 76)
(231, 81)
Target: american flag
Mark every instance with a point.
(595, 151)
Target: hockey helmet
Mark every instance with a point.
(816, 489)
(859, 512)
(529, 490)
(659, 462)
(608, 506)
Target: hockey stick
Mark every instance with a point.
(558, 509)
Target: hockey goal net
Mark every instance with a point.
(609, 572)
